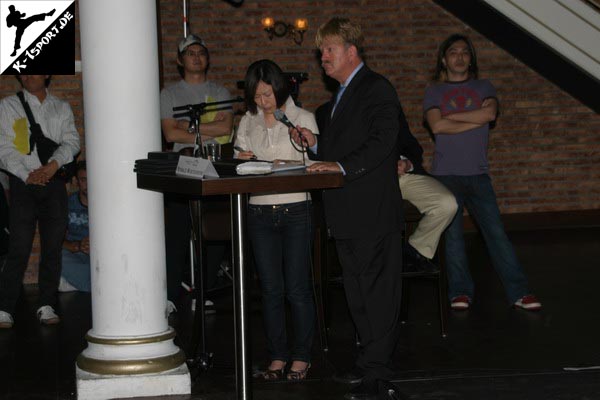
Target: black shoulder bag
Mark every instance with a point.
(45, 146)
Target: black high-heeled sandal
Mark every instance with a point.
(299, 375)
(274, 374)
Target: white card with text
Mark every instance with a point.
(198, 168)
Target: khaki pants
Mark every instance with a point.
(435, 202)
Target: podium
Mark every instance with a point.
(238, 188)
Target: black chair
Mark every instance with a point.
(412, 216)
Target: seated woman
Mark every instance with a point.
(279, 225)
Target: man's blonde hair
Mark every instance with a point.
(350, 32)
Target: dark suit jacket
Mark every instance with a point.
(364, 136)
(412, 150)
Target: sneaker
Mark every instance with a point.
(460, 302)
(6, 320)
(529, 303)
(47, 316)
(65, 286)
(171, 308)
(209, 307)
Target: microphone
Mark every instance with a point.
(281, 117)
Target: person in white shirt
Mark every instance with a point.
(279, 225)
(37, 193)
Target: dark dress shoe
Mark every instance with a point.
(367, 390)
(388, 390)
(352, 377)
(415, 262)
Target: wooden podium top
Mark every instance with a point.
(279, 182)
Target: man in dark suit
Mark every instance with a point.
(361, 131)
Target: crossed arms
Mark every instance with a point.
(176, 131)
(461, 121)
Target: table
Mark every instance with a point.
(238, 187)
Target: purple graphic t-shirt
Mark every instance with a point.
(463, 153)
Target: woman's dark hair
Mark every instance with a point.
(270, 73)
(440, 69)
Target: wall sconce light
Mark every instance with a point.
(281, 29)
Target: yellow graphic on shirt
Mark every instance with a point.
(210, 117)
(21, 141)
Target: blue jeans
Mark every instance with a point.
(76, 270)
(281, 241)
(477, 194)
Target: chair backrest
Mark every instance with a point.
(216, 218)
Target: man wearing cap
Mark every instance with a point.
(192, 62)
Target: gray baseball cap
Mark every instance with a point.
(190, 40)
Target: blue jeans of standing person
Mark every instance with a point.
(477, 194)
(281, 241)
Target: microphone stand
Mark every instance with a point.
(199, 359)
(194, 112)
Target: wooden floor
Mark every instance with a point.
(492, 351)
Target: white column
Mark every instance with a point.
(130, 346)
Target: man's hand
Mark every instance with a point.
(84, 245)
(43, 174)
(324, 167)
(183, 124)
(303, 136)
(404, 166)
(36, 178)
(487, 102)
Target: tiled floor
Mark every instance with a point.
(492, 351)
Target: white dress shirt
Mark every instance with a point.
(57, 122)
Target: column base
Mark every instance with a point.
(92, 386)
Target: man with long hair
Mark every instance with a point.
(459, 109)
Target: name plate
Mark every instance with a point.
(197, 168)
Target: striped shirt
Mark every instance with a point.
(57, 122)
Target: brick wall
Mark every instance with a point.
(543, 151)
(545, 146)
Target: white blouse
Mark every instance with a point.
(274, 143)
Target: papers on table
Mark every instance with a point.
(265, 167)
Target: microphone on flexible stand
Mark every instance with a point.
(281, 117)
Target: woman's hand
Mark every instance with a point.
(246, 155)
